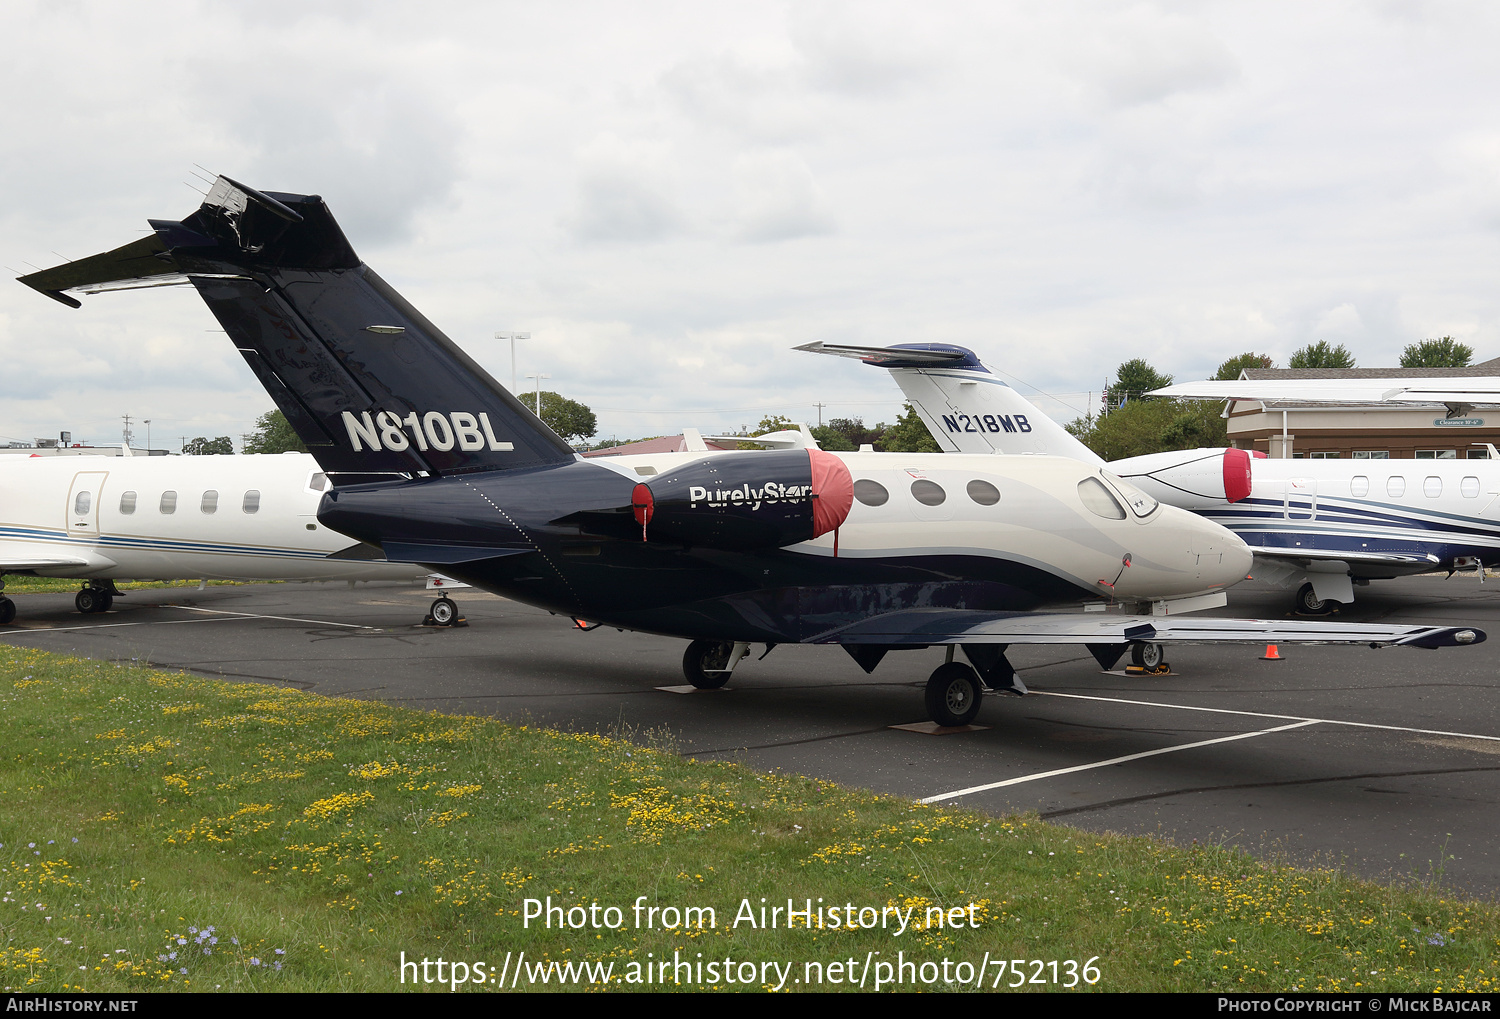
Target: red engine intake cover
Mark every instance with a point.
(1236, 474)
(832, 489)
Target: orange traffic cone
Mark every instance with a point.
(1271, 655)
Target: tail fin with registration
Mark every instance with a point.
(368, 383)
(964, 405)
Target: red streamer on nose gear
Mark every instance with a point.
(643, 505)
(1236, 474)
(832, 491)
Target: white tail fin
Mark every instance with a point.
(964, 405)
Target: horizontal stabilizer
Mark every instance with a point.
(964, 626)
(914, 355)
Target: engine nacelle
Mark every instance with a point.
(746, 501)
(1191, 478)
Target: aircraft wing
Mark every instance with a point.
(17, 564)
(1420, 562)
(1474, 391)
(920, 627)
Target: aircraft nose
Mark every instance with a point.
(1223, 557)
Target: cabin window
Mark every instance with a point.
(210, 503)
(928, 493)
(319, 482)
(1099, 500)
(871, 493)
(1359, 486)
(127, 503)
(168, 502)
(1395, 487)
(983, 492)
(81, 503)
(1469, 487)
(1432, 486)
(252, 502)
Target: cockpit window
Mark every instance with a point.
(1100, 501)
(1141, 504)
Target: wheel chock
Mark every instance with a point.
(1164, 669)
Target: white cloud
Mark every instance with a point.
(670, 195)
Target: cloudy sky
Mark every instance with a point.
(668, 196)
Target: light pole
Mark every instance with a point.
(148, 436)
(539, 376)
(513, 337)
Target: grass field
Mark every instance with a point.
(165, 831)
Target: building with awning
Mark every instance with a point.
(1299, 428)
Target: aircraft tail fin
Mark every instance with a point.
(368, 383)
(964, 405)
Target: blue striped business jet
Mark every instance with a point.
(1318, 527)
(99, 519)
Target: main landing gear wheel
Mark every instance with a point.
(1309, 603)
(92, 599)
(443, 612)
(705, 663)
(7, 611)
(953, 694)
(1147, 656)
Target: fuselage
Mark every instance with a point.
(179, 517)
(943, 531)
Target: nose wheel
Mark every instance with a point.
(7, 611)
(953, 694)
(444, 612)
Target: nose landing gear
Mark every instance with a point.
(444, 612)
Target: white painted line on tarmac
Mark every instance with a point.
(222, 615)
(1264, 714)
(256, 615)
(1112, 761)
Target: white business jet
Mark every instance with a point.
(102, 519)
(1315, 526)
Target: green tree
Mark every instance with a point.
(1134, 379)
(223, 446)
(1322, 355)
(908, 435)
(570, 419)
(1230, 369)
(1443, 352)
(774, 423)
(1152, 426)
(831, 440)
(273, 434)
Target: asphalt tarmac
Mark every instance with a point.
(1385, 762)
